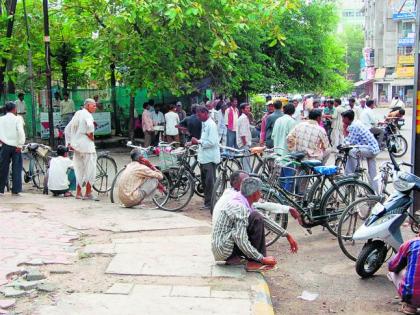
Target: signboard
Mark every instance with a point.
(403, 9)
(45, 125)
(406, 42)
(380, 73)
(368, 55)
(102, 122)
(405, 72)
(406, 60)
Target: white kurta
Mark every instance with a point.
(84, 159)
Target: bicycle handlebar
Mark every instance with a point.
(131, 145)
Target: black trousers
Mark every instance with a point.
(256, 235)
(59, 192)
(7, 154)
(208, 178)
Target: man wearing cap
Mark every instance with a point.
(79, 135)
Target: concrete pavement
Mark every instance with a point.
(100, 258)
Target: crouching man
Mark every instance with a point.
(138, 181)
(61, 174)
(404, 270)
(238, 230)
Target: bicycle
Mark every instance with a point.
(322, 205)
(36, 153)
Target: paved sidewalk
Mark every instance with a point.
(123, 261)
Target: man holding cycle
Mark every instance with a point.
(358, 134)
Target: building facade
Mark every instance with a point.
(388, 57)
(350, 12)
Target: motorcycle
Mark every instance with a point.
(381, 231)
(393, 138)
(400, 121)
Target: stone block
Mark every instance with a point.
(6, 303)
(34, 275)
(230, 294)
(228, 271)
(190, 291)
(12, 292)
(25, 285)
(120, 288)
(46, 287)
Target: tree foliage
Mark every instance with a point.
(352, 39)
(237, 45)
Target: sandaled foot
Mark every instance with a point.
(253, 266)
(68, 194)
(235, 261)
(90, 197)
(79, 197)
(408, 309)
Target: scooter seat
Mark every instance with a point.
(409, 178)
(312, 163)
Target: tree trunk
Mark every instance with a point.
(131, 113)
(65, 75)
(11, 87)
(10, 12)
(114, 100)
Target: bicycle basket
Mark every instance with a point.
(42, 151)
(168, 159)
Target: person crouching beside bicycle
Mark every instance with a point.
(238, 230)
(138, 181)
(60, 174)
(356, 133)
(404, 272)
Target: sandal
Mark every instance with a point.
(90, 197)
(235, 261)
(68, 194)
(253, 266)
(408, 309)
(79, 197)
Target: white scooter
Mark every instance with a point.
(381, 230)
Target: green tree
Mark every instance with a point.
(352, 39)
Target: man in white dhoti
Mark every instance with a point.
(80, 137)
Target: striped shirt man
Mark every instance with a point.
(408, 257)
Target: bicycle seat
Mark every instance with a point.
(312, 163)
(297, 155)
(257, 150)
(32, 146)
(326, 170)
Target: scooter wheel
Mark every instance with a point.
(371, 259)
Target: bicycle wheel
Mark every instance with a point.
(218, 189)
(106, 170)
(352, 218)
(179, 186)
(339, 197)
(113, 194)
(37, 167)
(400, 144)
(282, 219)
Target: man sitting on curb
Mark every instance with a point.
(238, 230)
(138, 181)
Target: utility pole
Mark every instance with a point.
(48, 72)
(31, 72)
(415, 144)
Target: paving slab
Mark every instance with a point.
(146, 301)
(120, 288)
(187, 256)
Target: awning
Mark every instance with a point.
(360, 83)
(403, 82)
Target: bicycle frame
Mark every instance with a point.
(308, 207)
